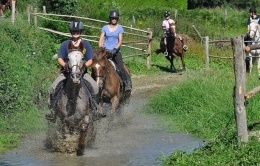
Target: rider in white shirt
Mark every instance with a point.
(166, 28)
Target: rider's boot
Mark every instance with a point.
(185, 47)
(165, 50)
(126, 81)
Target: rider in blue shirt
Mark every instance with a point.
(76, 28)
(111, 38)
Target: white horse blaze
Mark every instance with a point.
(98, 78)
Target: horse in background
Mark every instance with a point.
(175, 48)
(72, 105)
(253, 56)
(111, 86)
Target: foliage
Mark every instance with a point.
(24, 81)
(202, 105)
(192, 4)
(67, 7)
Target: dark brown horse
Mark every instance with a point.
(110, 84)
(175, 49)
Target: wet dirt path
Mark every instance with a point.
(133, 140)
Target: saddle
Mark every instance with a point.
(118, 71)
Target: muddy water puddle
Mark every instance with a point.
(133, 140)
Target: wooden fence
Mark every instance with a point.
(207, 42)
(135, 39)
(240, 94)
(239, 91)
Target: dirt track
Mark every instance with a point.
(134, 139)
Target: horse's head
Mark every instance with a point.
(76, 63)
(99, 65)
(172, 28)
(253, 29)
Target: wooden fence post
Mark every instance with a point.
(13, 11)
(44, 9)
(207, 52)
(35, 16)
(149, 47)
(29, 14)
(239, 89)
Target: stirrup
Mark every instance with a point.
(165, 53)
(185, 47)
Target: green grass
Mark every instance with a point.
(202, 105)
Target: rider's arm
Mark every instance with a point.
(88, 55)
(89, 63)
(62, 54)
(101, 40)
(120, 41)
(61, 62)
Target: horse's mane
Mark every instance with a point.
(100, 53)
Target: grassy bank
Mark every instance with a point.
(202, 105)
(26, 71)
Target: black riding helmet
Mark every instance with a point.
(76, 25)
(167, 14)
(113, 14)
(252, 10)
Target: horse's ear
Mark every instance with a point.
(104, 51)
(70, 46)
(81, 47)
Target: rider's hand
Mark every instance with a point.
(66, 67)
(114, 51)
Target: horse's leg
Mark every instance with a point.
(114, 104)
(83, 134)
(250, 63)
(182, 60)
(170, 59)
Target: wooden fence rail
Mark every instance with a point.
(207, 43)
(136, 39)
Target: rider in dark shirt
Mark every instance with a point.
(254, 17)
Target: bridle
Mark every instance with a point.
(79, 67)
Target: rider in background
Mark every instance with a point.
(166, 29)
(76, 28)
(254, 17)
(111, 39)
(2, 7)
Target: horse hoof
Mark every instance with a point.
(80, 152)
(50, 118)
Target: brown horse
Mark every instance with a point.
(175, 48)
(110, 84)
